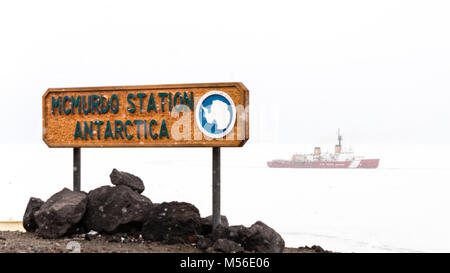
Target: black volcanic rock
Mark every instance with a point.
(228, 246)
(60, 213)
(34, 204)
(127, 179)
(239, 234)
(113, 209)
(263, 239)
(220, 232)
(172, 223)
(204, 242)
(207, 224)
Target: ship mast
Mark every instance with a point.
(339, 137)
(338, 147)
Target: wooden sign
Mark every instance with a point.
(181, 115)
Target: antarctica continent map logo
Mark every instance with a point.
(215, 114)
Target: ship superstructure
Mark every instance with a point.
(340, 159)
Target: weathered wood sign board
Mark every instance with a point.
(180, 115)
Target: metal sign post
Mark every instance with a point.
(76, 169)
(216, 186)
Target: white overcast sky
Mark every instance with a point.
(379, 70)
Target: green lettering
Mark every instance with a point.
(128, 123)
(95, 104)
(163, 131)
(78, 132)
(138, 122)
(133, 109)
(115, 98)
(98, 123)
(65, 99)
(151, 104)
(118, 127)
(152, 122)
(87, 129)
(104, 110)
(56, 103)
(162, 95)
(88, 110)
(108, 131)
(177, 95)
(76, 103)
(145, 129)
(141, 97)
(189, 102)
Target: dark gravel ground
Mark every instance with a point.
(25, 242)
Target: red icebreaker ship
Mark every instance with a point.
(340, 159)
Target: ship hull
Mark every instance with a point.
(351, 164)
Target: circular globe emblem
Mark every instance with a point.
(215, 114)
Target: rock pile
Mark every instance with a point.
(257, 238)
(115, 209)
(122, 209)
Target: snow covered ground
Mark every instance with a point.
(400, 207)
